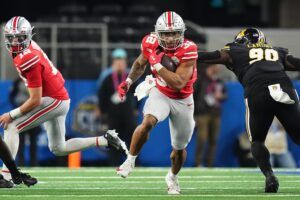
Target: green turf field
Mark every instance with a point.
(148, 183)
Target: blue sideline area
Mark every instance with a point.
(157, 149)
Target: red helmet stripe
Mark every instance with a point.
(15, 22)
(169, 18)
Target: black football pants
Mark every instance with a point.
(261, 109)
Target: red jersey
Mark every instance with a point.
(36, 70)
(186, 52)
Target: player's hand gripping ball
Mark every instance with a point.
(163, 59)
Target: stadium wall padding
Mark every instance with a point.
(156, 151)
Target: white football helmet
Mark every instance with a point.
(170, 22)
(18, 34)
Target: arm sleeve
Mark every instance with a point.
(214, 57)
(34, 76)
(191, 53)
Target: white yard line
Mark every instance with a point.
(142, 177)
(154, 195)
(151, 169)
(157, 177)
(149, 188)
(127, 181)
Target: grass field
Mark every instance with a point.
(148, 183)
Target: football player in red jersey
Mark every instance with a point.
(172, 95)
(49, 100)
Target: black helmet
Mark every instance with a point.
(250, 36)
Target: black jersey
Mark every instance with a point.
(256, 65)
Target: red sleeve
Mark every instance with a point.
(149, 44)
(29, 60)
(190, 51)
(34, 76)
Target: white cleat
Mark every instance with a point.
(173, 184)
(126, 168)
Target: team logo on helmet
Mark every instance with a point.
(18, 34)
(250, 36)
(170, 25)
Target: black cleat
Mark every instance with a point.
(272, 184)
(24, 178)
(5, 184)
(114, 141)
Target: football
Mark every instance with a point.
(168, 63)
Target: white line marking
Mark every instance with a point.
(127, 181)
(144, 188)
(159, 177)
(150, 169)
(155, 195)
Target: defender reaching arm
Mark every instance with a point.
(215, 57)
(292, 63)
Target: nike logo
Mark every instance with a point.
(189, 104)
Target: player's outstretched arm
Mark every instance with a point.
(292, 63)
(215, 57)
(33, 101)
(138, 68)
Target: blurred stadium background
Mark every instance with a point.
(78, 37)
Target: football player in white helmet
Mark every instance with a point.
(170, 31)
(171, 94)
(5, 154)
(18, 34)
(48, 101)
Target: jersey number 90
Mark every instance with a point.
(260, 54)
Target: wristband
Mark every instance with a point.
(157, 66)
(15, 113)
(129, 81)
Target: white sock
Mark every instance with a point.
(11, 138)
(102, 141)
(131, 157)
(78, 144)
(171, 174)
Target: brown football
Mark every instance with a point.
(168, 63)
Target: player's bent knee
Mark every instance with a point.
(179, 146)
(148, 123)
(58, 150)
(259, 150)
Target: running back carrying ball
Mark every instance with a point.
(168, 63)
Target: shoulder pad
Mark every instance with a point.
(150, 41)
(190, 50)
(149, 44)
(28, 59)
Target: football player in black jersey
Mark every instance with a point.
(269, 92)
